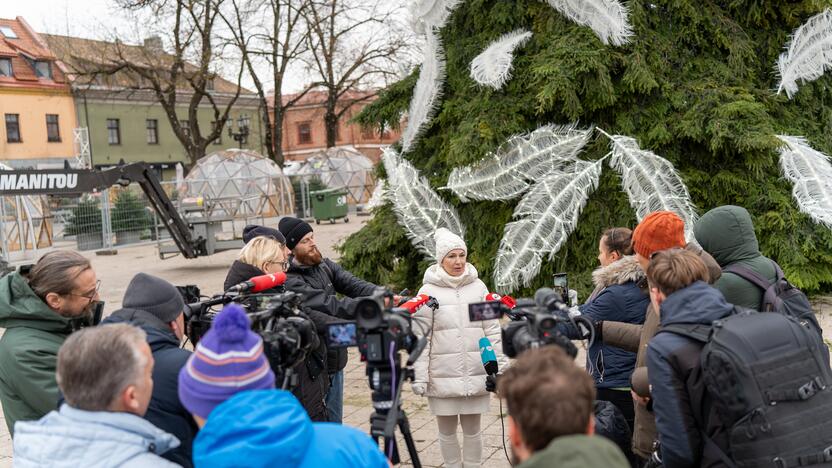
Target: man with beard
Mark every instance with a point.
(319, 279)
(550, 413)
(37, 314)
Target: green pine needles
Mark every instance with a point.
(695, 85)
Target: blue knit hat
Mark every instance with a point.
(228, 359)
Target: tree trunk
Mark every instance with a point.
(277, 139)
(331, 123)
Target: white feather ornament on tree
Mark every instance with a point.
(506, 173)
(431, 13)
(419, 209)
(549, 213)
(607, 18)
(378, 197)
(493, 66)
(650, 181)
(811, 173)
(808, 54)
(428, 90)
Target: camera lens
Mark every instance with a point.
(368, 314)
(548, 324)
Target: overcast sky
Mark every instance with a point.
(92, 19)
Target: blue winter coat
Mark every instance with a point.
(267, 428)
(92, 439)
(671, 359)
(617, 298)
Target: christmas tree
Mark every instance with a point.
(694, 82)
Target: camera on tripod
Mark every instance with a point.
(288, 333)
(534, 323)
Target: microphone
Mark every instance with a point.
(413, 304)
(259, 283)
(508, 301)
(489, 358)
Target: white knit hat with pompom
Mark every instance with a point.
(447, 241)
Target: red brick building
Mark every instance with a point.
(304, 133)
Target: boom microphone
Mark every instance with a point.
(508, 301)
(259, 283)
(413, 304)
(489, 358)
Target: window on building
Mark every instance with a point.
(304, 133)
(8, 32)
(43, 69)
(5, 67)
(152, 126)
(13, 128)
(113, 132)
(53, 130)
(186, 126)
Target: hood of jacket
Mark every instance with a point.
(88, 438)
(727, 233)
(21, 307)
(578, 451)
(240, 272)
(622, 271)
(698, 303)
(159, 334)
(269, 426)
(437, 276)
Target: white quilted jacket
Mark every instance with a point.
(451, 365)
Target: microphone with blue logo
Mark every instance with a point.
(489, 362)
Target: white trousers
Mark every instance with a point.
(471, 454)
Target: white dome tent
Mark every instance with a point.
(25, 224)
(341, 167)
(240, 183)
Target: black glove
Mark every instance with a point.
(491, 383)
(597, 328)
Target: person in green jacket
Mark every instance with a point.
(727, 233)
(551, 419)
(36, 314)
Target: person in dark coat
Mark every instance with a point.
(319, 279)
(679, 290)
(727, 233)
(265, 255)
(155, 306)
(617, 297)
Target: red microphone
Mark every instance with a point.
(508, 301)
(259, 283)
(415, 302)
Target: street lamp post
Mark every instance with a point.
(241, 135)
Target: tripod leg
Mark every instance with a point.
(404, 426)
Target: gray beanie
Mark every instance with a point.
(154, 296)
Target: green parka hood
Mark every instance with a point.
(20, 306)
(727, 233)
(578, 451)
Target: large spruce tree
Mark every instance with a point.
(696, 84)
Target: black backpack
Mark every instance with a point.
(780, 295)
(770, 384)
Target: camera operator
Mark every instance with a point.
(450, 370)
(228, 386)
(319, 279)
(265, 255)
(36, 315)
(550, 413)
(155, 306)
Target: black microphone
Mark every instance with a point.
(489, 358)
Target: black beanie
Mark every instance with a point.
(154, 296)
(293, 229)
(252, 230)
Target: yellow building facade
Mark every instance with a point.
(39, 113)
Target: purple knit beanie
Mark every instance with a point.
(228, 359)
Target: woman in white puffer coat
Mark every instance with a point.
(450, 370)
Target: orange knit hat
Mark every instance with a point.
(659, 230)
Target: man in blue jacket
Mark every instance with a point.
(228, 386)
(155, 306)
(679, 290)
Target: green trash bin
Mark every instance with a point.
(329, 204)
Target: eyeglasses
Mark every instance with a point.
(90, 295)
(284, 265)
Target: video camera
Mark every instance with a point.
(534, 323)
(288, 333)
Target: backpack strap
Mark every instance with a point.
(750, 275)
(695, 331)
(819, 458)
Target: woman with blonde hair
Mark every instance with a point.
(450, 371)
